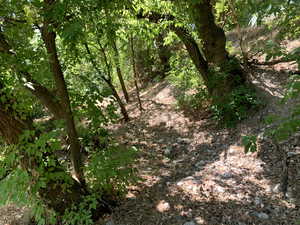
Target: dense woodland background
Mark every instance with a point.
(77, 78)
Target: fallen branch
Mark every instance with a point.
(271, 63)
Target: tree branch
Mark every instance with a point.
(270, 63)
(183, 34)
(42, 93)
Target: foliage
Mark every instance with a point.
(185, 78)
(236, 106)
(110, 169)
(250, 143)
(81, 214)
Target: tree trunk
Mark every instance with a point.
(135, 75)
(119, 100)
(214, 43)
(212, 36)
(194, 52)
(54, 195)
(119, 72)
(49, 40)
(107, 80)
(10, 128)
(164, 54)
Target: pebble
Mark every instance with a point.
(189, 223)
(167, 151)
(227, 175)
(111, 222)
(183, 141)
(200, 164)
(257, 201)
(241, 223)
(163, 206)
(262, 216)
(276, 188)
(219, 189)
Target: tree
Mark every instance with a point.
(32, 43)
(118, 68)
(135, 74)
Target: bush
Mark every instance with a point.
(236, 106)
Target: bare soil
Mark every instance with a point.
(196, 172)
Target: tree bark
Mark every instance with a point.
(54, 195)
(213, 37)
(108, 80)
(213, 52)
(48, 37)
(10, 128)
(135, 75)
(164, 54)
(119, 72)
(194, 53)
(40, 92)
(214, 48)
(119, 100)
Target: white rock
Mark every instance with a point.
(167, 151)
(111, 222)
(219, 189)
(262, 216)
(257, 201)
(276, 188)
(189, 223)
(200, 164)
(227, 175)
(163, 206)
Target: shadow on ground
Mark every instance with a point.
(200, 173)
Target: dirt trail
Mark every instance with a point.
(196, 173)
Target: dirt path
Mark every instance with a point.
(195, 173)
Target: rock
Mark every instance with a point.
(292, 154)
(262, 216)
(226, 175)
(200, 164)
(189, 223)
(161, 141)
(167, 151)
(163, 206)
(219, 189)
(257, 201)
(186, 179)
(111, 222)
(276, 188)
(183, 141)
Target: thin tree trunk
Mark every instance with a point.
(49, 40)
(120, 102)
(164, 54)
(108, 80)
(135, 74)
(194, 53)
(119, 72)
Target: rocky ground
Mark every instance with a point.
(197, 173)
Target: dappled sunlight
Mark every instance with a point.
(195, 172)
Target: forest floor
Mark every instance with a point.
(197, 173)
